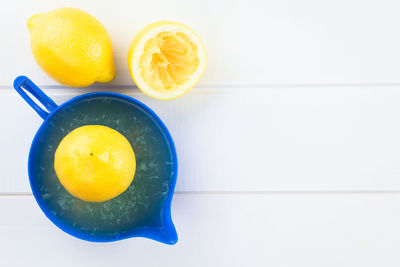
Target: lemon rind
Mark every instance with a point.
(137, 48)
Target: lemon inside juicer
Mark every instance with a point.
(144, 209)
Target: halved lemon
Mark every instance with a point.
(166, 59)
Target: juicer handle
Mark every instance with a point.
(22, 83)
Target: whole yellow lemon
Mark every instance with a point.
(72, 47)
(95, 163)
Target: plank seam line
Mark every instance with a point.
(132, 86)
(289, 192)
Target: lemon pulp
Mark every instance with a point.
(95, 163)
(166, 59)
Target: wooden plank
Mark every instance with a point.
(224, 230)
(249, 139)
(248, 42)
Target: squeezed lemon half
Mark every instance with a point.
(95, 163)
(166, 59)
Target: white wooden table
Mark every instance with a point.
(289, 147)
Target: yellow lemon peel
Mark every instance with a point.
(166, 59)
(72, 47)
(95, 163)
